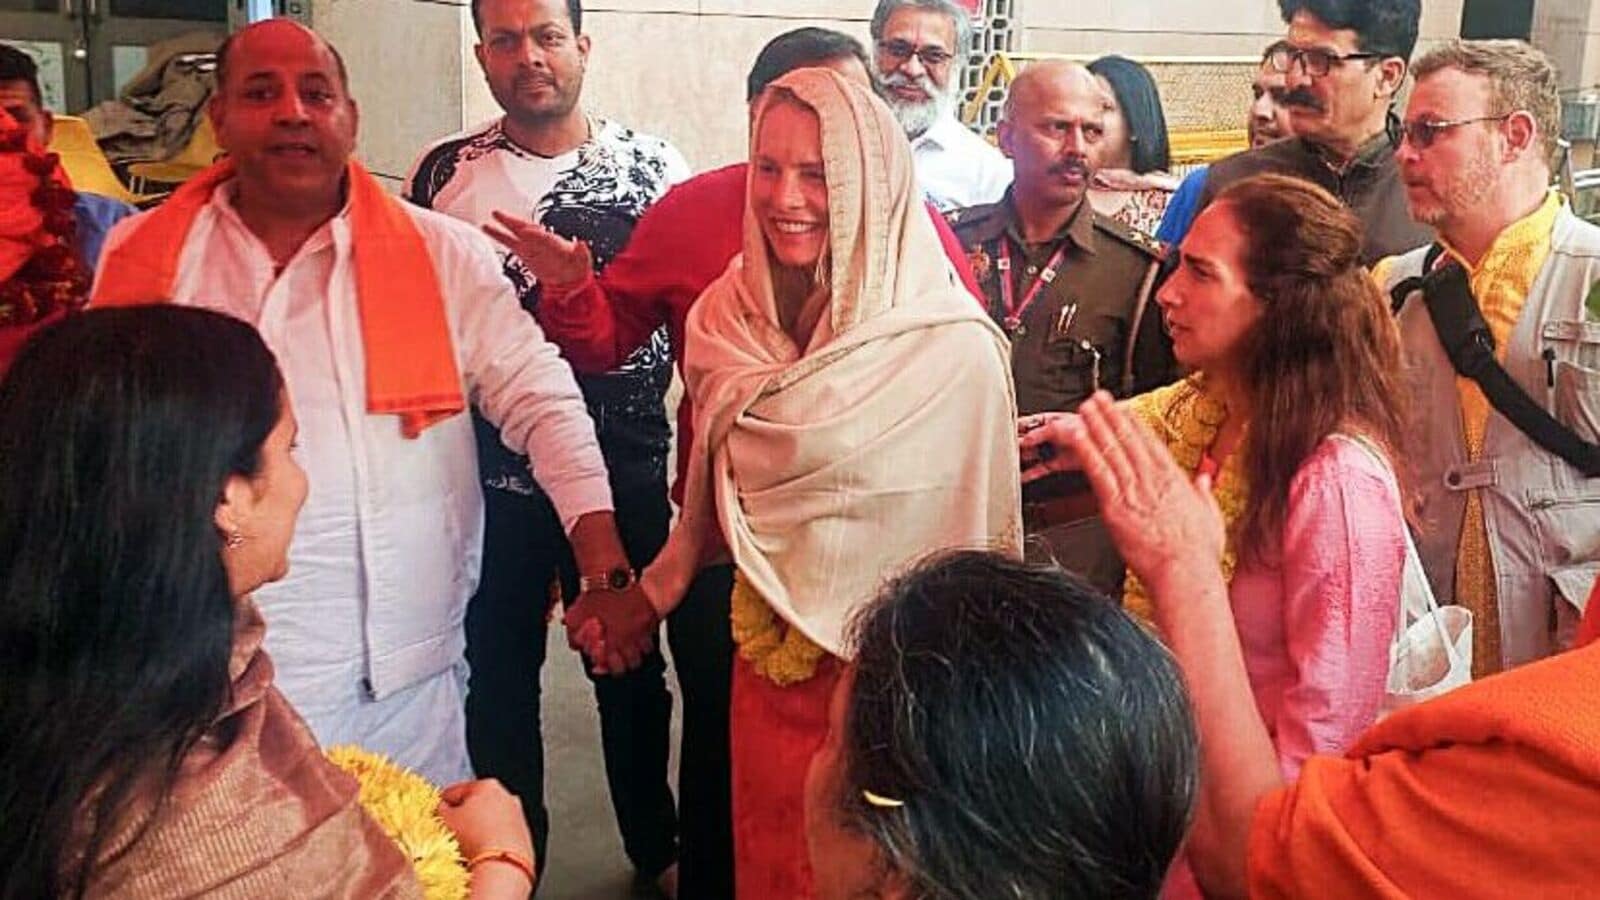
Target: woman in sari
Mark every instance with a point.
(1291, 411)
(148, 489)
(854, 413)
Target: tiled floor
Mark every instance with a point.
(586, 860)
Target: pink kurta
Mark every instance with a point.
(1316, 622)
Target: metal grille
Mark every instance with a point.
(994, 31)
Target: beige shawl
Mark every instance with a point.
(257, 811)
(890, 435)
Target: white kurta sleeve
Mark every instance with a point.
(519, 381)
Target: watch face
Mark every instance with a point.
(619, 579)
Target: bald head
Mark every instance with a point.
(1055, 112)
(1050, 80)
(275, 32)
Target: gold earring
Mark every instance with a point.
(234, 540)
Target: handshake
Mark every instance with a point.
(614, 625)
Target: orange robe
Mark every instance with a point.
(1490, 791)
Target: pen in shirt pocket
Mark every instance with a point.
(1064, 319)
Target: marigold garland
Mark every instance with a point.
(783, 656)
(52, 280)
(406, 806)
(1186, 419)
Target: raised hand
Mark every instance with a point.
(552, 259)
(1166, 526)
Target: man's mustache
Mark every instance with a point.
(1073, 166)
(1301, 97)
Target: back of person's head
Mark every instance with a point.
(1388, 27)
(1521, 78)
(1012, 733)
(960, 20)
(1324, 355)
(119, 429)
(798, 49)
(1140, 101)
(574, 15)
(18, 66)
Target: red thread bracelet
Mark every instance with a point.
(493, 854)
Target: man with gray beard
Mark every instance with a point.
(921, 46)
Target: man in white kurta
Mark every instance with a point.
(366, 630)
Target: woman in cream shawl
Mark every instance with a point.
(854, 413)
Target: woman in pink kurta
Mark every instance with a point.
(1315, 624)
(1291, 415)
(1291, 412)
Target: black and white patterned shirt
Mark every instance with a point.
(595, 193)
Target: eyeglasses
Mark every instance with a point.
(933, 56)
(1421, 133)
(1314, 61)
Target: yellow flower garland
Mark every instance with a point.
(1186, 418)
(406, 806)
(783, 656)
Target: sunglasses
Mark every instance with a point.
(1314, 61)
(932, 56)
(1421, 133)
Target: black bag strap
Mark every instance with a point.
(1469, 343)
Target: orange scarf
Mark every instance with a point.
(411, 364)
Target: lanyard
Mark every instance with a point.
(1014, 310)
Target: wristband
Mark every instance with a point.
(500, 854)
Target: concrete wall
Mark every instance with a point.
(676, 68)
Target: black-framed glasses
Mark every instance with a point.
(1421, 133)
(933, 56)
(1314, 61)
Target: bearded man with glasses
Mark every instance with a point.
(1509, 528)
(920, 49)
(1342, 62)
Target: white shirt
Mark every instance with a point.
(387, 548)
(595, 192)
(956, 168)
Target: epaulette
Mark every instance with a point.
(1130, 236)
(976, 222)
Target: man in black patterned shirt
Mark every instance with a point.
(588, 179)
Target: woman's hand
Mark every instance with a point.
(484, 815)
(1167, 527)
(1042, 444)
(552, 259)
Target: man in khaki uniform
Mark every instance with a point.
(1071, 288)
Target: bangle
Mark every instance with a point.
(500, 854)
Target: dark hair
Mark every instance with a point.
(1388, 27)
(119, 429)
(574, 15)
(226, 48)
(1038, 740)
(1136, 94)
(797, 49)
(1324, 356)
(18, 66)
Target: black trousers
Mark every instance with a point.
(702, 653)
(525, 551)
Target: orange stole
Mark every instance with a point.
(411, 363)
(1484, 792)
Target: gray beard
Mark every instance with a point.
(916, 118)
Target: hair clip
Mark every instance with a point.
(880, 801)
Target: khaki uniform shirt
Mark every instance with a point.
(1084, 328)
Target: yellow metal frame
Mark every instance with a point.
(85, 163)
(1188, 147)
